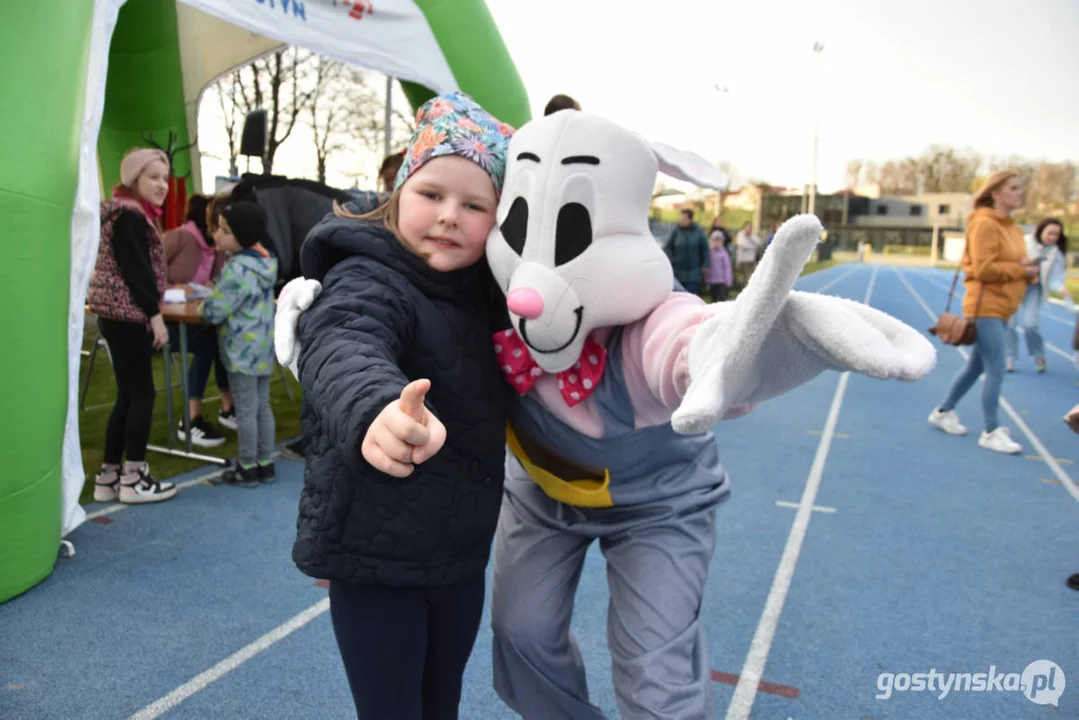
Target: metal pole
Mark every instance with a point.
(818, 47)
(721, 90)
(936, 242)
(183, 378)
(389, 117)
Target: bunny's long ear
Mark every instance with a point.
(690, 167)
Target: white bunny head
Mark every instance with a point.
(572, 248)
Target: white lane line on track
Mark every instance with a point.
(745, 692)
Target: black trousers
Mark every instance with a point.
(718, 292)
(203, 346)
(405, 649)
(132, 351)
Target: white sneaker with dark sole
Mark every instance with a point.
(145, 489)
(947, 422)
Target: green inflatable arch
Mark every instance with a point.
(44, 95)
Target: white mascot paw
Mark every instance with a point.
(724, 354)
(295, 297)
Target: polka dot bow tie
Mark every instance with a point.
(521, 370)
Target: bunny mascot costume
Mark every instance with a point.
(619, 382)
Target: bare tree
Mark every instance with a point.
(348, 108)
(872, 172)
(854, 173)
(961, 172)
(365, 96)
(230, 113)
(944, 169)
(1051, 186)
(342, 105)
(899, 177)
(328, 113)
(247, 94)
(275, 82)
(938, 169)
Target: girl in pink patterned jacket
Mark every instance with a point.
(126, 291)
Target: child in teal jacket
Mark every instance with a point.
(242, 306)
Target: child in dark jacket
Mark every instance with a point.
(398, 345)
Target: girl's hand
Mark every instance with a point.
(404, 434)
(159, 331)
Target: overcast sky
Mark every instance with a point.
(895, 76)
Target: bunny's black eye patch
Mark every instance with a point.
(515, 226)
(573, 234)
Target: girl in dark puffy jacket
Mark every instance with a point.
(126, 291)
(404, 417)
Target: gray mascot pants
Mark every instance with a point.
(657, 565)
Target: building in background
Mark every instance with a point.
(944, 209)
(903, 225)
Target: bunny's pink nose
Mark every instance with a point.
(525, 302)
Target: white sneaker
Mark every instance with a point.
(227, 419)
(107, 485)
(947, 421)
(1000, 440)
(141, 487)
(203, 433)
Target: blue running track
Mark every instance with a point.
(859, 545)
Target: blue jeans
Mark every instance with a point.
(1026, 318)
(202, 344)
(988, 357)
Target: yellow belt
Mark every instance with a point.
(581, 493)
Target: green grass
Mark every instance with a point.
(814, 266)
(102, 394)
(810, 268)
(733, 218)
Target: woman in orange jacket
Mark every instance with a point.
(998, 272)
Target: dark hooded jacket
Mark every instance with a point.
(384, 319)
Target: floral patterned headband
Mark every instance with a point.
(453, 124)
